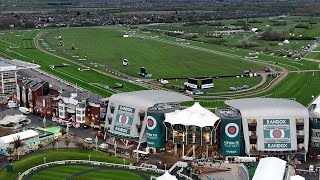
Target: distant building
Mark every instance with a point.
(8, 75)
(81, 108)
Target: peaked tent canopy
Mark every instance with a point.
(167, 176)
(297, 177)
(267, 165)
(195, 115)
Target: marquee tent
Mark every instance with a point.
(297, 177)
(274, 165)
(195, 115)
(166, 176)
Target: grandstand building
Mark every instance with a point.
(273, 126)
(314, 110)
(137, 117)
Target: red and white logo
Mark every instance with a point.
(276, 133)
(124, 119)
(151, 123)
(231, 130)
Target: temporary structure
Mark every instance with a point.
(195, 115)
(270, 168)
(167, 176)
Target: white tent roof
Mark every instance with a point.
(195, 115)
(297, 177)
(12, 119)
(23, 135)
(270, 168)
(167, 176)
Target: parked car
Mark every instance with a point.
(88, 140)
(311, 168)
(100, 134)
(103, 146)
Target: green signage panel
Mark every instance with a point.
(124, 119)
(122, 129)
(277, 145)
(155, 129)
(230, 130)
(276, 133)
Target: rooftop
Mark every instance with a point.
(23, 135)
(148, 98)
(269, 107)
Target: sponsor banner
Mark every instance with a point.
(206, 86)
(315, 137)
(230, 137)
(276, 122)
(124, 119)
(126, 109)
(155, 129)
(276, 133)
(277, 145)
(122, 129)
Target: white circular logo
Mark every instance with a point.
(232, 130)
(151, 123)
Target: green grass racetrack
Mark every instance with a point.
(78, 172)
(55, 155)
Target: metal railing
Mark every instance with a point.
(86, 162)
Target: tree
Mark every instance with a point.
(40, 146)
(67, 142)
(17, 144)
(53, 143)
(10, 151)
(63, 130)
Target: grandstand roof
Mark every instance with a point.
(195, 115)
(270, 168)
(269, 106)
(148, 98)
(23, 135)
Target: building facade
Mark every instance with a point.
(8, 78)
(81, 108)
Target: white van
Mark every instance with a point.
(24, 110)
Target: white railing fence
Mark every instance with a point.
(96, 163)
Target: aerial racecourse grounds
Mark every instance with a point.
(76, 171)
(91, 58)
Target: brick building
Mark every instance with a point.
(81, 108)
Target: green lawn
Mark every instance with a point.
(55, 155)
(84, 79)
(106, 46)
(108, 174)
(314, 55)
(297, 86)
(63, 172)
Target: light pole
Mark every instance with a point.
(96, 141)
(89, 156)
(44, 122)
(44, 160)
(124, 161)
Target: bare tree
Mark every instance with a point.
(67, 142)
(17, 144)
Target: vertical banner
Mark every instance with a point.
(230, 130)
(155, 129)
